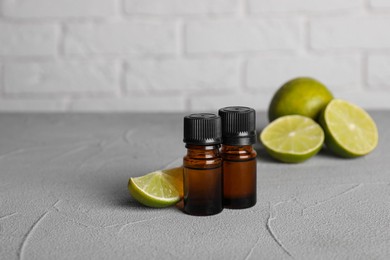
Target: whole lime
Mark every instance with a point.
(300, 96)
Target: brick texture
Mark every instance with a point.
(378, 71)
(378, 4)
(286, 6)
(350, 32)
(334, 71)
(58, 8)
(126, 38)
(181, 7)
(183, 75)
(182, 55)
(242, 35)
(28, 39)
(62, 77)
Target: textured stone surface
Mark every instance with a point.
(138, 104)
(63, 194)
(38, 105)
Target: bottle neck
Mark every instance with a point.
(202, 151)
(228, 147)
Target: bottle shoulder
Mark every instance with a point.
(202, 163)
(245, 152)
(202, 157)
(206, 152)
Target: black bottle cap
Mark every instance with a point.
(238, 125)
(202, 129)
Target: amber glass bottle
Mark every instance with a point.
(239, 157)
(202, 175)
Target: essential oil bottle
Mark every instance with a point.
(239, 157)
(202, 175)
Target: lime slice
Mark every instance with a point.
(158, 189)
(349, 130)
(292, 139)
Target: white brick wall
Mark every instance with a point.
(28, 39)
(193, 75)
(338, 71)
(181, 7)
(351, 32)
(121, 38)
(62, 77)
(287, 6)
(237, 35)
(380, 4)
(58, 8)
(378, 71)
(180, 55)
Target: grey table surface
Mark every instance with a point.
(63, 195)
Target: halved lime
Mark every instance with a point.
(349, 130)
(158, 189)
(292, 139)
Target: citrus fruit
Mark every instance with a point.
(349, 130)
(293, 138)
(158, 189)
(299, 96)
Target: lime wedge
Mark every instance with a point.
(349, 130)
(158, 189)
(293, 138)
